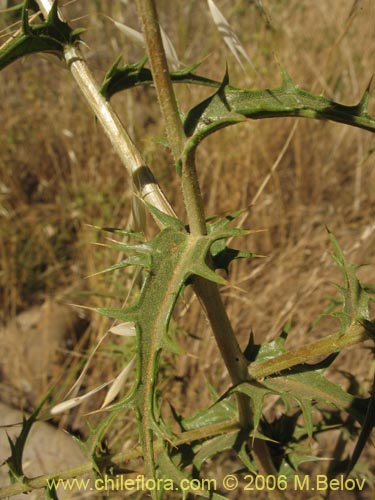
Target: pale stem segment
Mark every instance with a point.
(139, 172)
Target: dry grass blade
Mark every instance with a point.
(118, 383)
(130, 33)
(275, 165)
(73, 402)
(170, 51)
(78, 382)
(123, 330)
(138, 38)
(229, 36)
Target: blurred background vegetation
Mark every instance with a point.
(58, 176)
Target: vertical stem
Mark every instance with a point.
(207, 292)
(169, 108)
(230, 351)
(160, 72)
(192, 196)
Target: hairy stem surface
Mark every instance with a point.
(355, 334)
(207, 292)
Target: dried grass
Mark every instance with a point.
(58, 173)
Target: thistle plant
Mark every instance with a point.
(188, 253)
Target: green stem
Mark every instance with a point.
(160, 72)
(169, 108)
(207, 292)
(230, 351)
(355, 334)
(192, 196)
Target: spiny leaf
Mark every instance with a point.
(305, 385)
(175, 255)
(125, 232)
(129, 314)
(49, 36)
(166, 219)
(17, 447)
(269, 350)
(355, 297)
(230, 105)
(363, 103)
(201, 269)
(237, 440)
(173, 473)
(221, 411)
(218, 444)
(142, 260)
(132, 248)
(15, 8)
(96, 434)
(74, 34)
(256, 392)
(215, 222)
(294, 458)
(128, 76)
(222, 255)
